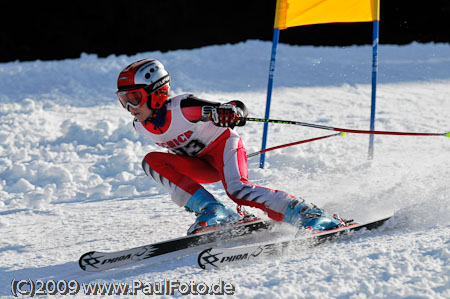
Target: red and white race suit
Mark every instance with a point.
(202, 153)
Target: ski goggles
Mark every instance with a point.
(132, 98)
(136, 97)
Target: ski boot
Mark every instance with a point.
(300, 214)
(210, 212)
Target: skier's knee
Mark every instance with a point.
(148, 161)
(153, 160)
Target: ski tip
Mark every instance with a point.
(447, 134)
(343, 134)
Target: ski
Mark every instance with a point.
(95, 261)
(214, 258)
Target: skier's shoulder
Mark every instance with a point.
(191, 100)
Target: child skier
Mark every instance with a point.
(203, 148)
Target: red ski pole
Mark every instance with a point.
(293, 143)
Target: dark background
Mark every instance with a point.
(65, 29)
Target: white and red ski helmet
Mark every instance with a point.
(143, 81)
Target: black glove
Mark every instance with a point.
(225, 115)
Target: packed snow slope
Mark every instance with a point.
(71, 178)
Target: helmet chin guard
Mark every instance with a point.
(160, 94)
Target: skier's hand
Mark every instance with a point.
(226, 115)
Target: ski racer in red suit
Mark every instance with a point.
(202, 148)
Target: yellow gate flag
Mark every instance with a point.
(290, 13)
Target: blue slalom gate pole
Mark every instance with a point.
(276, 36)
(374, 84)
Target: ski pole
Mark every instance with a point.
(293, 143)
(298, 123)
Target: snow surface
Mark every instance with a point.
(71, 180)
